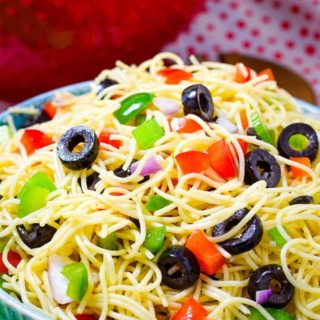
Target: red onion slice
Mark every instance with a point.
(166, 105)
(263, 295)
(150, 166)
(58, 283)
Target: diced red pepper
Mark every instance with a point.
(191, 310)
(13, 257)
(85, 317)
(243, 73)
(193, 161)
(33, 139)
(244, 119)
(104, 137)
(209, 257)
(268, 72)
(50, 109)
(221, 159)
(174, 181)
(174, 75)
(183, 125)
(116, 194)
(116, 96)
(298, 173)
(243, 145)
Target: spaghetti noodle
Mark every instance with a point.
(126, 283)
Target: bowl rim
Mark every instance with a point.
(80, 88)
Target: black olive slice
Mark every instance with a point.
(261, 165)
(179, 268)
(197, 100)
(37, 236)
(304, 129)
(86, 156)
(301, 200)
(92, 180)
(250, 237)
(271, 277)
(105, 83)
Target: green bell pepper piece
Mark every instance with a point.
(32, 200)
(77, 274)
(110, 242)
(132, 106)
(154, 239)
(140, 118)
(260, 129)
(148, 133)
(3, 243)
(156, 202)
(5, 133)
(276, 236)
(34, 193)
(40, 180)
(275, 313)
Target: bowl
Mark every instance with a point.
(11, 308)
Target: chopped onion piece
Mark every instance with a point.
(150, 166)
(263, 295)
(58, 283)
(225, 123)
(166, 105)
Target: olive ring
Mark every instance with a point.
(271, 277)
(250, 237)
(304, 129)
(70, 139)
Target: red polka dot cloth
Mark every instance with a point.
(284, 31)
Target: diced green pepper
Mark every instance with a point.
(34, 193)
(276, 236)
(156, 202)
(5, 133)
(132, 106)
(77, 275)
(154, 239)
(110, 242)
(32, 200)
(148, 133)
(140, 118)
(3, 243)
(40, 180)
(275, 313)
(260, 129)
(272, 134)
(298, 142)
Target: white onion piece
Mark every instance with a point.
(150, 166)
(166, 105)
(263, 295)
(177, 123)
(58, 283)
(225, 123)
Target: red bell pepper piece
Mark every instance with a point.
(104, 137)
(33, 139)
(243, 73)
(174, 75)
(191, 310)
(183, 125)
(209, 257)
(85, 317)
(50, 109)
(221, 159)
(193, 161)
(13, 257)
(244, 119)
(268, 72)
(243, 145)
(298, 173)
